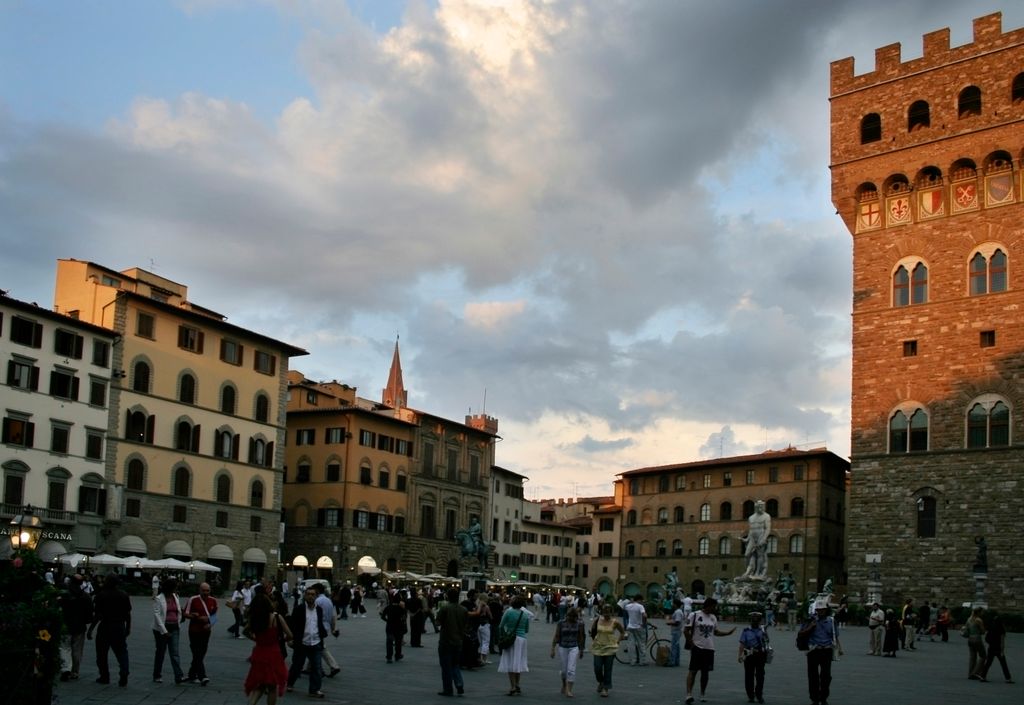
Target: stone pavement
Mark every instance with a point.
(936, 672)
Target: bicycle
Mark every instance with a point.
(627, 654)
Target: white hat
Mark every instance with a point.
(821, 603)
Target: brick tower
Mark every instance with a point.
(926, 176)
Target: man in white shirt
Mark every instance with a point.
(687, 607)
(330, 624)
(636, 623)
(876, 630)
(308, 639)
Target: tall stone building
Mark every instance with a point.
(690, 517)
(195, 442)
(926, 177)
(380, 485)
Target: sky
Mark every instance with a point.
(607, 224)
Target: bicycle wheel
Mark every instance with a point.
(657, 644)
(625, 654)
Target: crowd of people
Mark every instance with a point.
(290, 635)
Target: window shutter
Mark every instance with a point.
(252, 450)
(298, 436)
(53, 383)
(128, 426)
(102, 501)
(241, 349)
(37, 335)
(7, 430)
(321, 517)
(74, 388)
(10, 372)
(34, 386)
(182, 337)
(236, 442)
(195, 438)
(355, 519)
(81, 499)
(79, 342)
(273, 364)
(150, 425)
(268, 456)
(390, 523)
(199, 347)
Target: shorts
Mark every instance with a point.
(702, 660)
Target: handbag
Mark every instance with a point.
(506, 637)
(231, 604)
(803, 640)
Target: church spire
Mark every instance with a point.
(395, 395)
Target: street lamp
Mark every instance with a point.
(26, 530)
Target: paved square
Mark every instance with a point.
(936, 672)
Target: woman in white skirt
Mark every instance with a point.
(513, 659)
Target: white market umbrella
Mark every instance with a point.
(72, 559)
(103, 559)
(172, 563)
(203, 565)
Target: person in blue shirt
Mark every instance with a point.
(753, 655)
(822, 637)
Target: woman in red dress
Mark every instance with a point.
(267, 671)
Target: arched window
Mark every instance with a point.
(987, 274)
(227, 399)
(926, 517)
(662, 515)
(988, 424)
(139, 427)
(135, 476)
(773, 543)
(225, 444)
(748, 507)
(183, 435)
(870, 128)
(796, 507)
(919, 116)
(677, 547)
(910, 287)
(630, 549)
(969, 103)
(261, 410)
(1017, 91)
(725, 511)
(724, 546)
(223, 490)
(140, 376)
(187, 389)
(771, 508)
(661, 548)
(259, 452)
(256, 494)
(796, 544)
(631, 517)
(705, 512)
(907, 435)
(182, 482)
(704, 546)
(678, 515)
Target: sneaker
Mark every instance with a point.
(204, 681)
(689, 700)
(158, 680)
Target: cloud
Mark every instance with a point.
(612, 217)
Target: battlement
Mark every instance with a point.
(988, 37)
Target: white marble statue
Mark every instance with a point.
(757, 542)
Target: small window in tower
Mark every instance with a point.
(988, 338)
(919, 116)
(909, 348)
(870, 128)
(969, 103)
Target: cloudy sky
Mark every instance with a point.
(607, 223)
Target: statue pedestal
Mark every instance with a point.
(979, 590)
